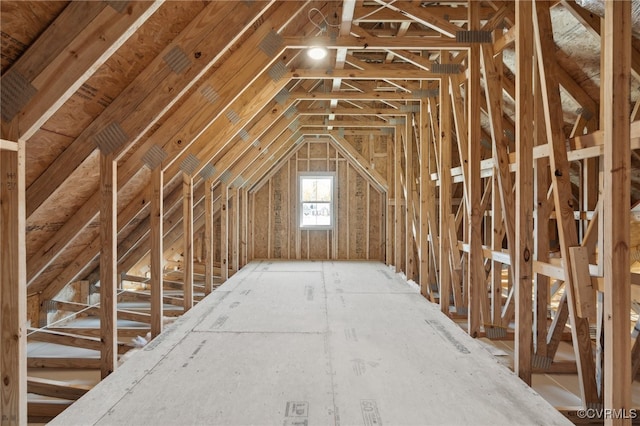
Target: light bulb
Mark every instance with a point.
(317, 52)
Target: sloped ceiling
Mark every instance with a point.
(206, 87)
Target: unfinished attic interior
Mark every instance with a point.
(198, 216)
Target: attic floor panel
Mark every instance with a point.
(297, 343)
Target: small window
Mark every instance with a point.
(316, 201)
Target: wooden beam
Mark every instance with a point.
(476, 277)
(616, 203)
(108, 266)
(158, 86)
(445, 144)
(70, 363)
(89, 210)
(562, 195)
(13, 297)
(224, 232)
(157, 252)
(423, 16)
(55, 388)
(399, 241)
(208, 236)
(525, 118)
(44, 412)
(94, 310)
(63, 62)
(187, 235)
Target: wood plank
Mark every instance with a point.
(58, 79)
(426, 197)
(43, 412)
(157, 251)
(562, 195)
(475, 283)
(13, 297)
(525, 118)
(55, 388)
(409, 180)
(94, 310)
(208, 236)
(89, 211)
(157, 86)
(585, 295)
(224, 232)
(108, 266)
(445, 144)
(500, 144)
(423, 16)
(124, 333)
(397, 193)
(187, 235)
(615, 208)
(70, 363)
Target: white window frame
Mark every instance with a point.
(317, 175)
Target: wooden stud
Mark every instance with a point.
(476, 277)
(224, 232)
(563, 196)
(108, 267)
(13, 296)
(584, 292)
(399, 243)
(616, 204)
(408, 207)
(157, 253)
(426, 197)
(525, 117)
(187, 235)
(445, 190)
(208, 236)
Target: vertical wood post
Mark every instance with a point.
(525, 115)
(108, 262)
(224, 231)
(408, 206)
(476, 275)
(235, 237)
(425, 199)
(616, 198)
(155, 238)
(399, 244)
(563, 199)
(208, 236)
(187, 226)
(445, 191)
(13, 286)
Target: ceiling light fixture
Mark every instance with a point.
(317, 52)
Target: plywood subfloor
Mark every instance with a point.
(297, 343)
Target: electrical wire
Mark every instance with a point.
(324, 20)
